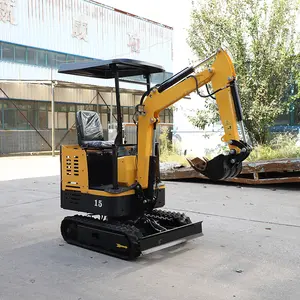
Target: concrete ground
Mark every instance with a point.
(250, 248)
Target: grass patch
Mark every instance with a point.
(280, 146)
(174, 158)
(170, 152)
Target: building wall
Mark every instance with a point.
(86, 28)
(77, 28)
(42, 92)
(36, 36)
(35, 101)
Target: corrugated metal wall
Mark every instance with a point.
(26, 91)
(86, 28)
(70, 95)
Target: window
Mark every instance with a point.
(9, 119)
(103, 109)
(24, 105)
(1, 121)
(71, 58)
(71, 119)
(42, 120)
(21, 122)
(124, 110)
(114, 110)
(167, 118)
(51, 59)
(60, 59)
(61, 120)
(90, 107)
(72, 107)
(162, 116)
(41, 58)
(61, 107)
(38, 113)
(8, 52)
(20, 54)
(43, 106)
(35, 56)
(31, 56)
(126, 118)
(131, 112)
(104, 120)
(32, 117)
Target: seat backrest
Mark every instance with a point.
(89, 127)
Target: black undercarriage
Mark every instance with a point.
(123, 226)
(127, 239)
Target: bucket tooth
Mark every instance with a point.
(197, 163)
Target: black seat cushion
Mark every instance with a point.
(90, 131)
(89, 126)
(97, 144)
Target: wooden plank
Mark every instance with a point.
(261, 172)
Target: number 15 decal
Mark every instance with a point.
(98, 203)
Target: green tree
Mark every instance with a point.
(262, 38)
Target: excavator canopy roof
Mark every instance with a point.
(107, 68)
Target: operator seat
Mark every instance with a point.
(90, 131)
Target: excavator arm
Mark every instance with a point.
(222, 76)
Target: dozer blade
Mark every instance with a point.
(222, 166)
(175, 235)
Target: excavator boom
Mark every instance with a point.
(223, 79)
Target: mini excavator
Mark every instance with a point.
(118, 185)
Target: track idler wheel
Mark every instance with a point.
(222, 166)
(68, 230)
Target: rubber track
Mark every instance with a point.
(170, 218)
(132, 234)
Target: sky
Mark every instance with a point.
(168, 12)
(177, 15)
